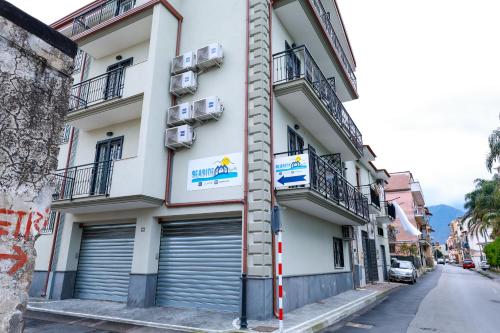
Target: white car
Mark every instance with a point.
(441, 261)
(403, 271)
(484, 265)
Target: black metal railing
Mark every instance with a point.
(99, 14)
(334, 160)
(326, 180)
(391, 233)
(97, 89)
(391, 210)
(374, 196)
(83, 181)
(297, 63)
(325, 18)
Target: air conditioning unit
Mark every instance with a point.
(178, 137)
(347, 232)
(184, 83)
(209, 56)
(183, 63)
(207, 108)
(179, 114)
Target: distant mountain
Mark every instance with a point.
(442, 215)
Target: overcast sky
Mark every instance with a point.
(428, 77)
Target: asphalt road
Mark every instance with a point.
(450, 299)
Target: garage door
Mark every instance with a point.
(104, 263)
(200, 265)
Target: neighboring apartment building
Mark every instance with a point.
(454, 242)
(407, 192)
(371, 256)
(146, 224)
(472, 241)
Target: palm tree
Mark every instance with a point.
(494, 154)
(483, 206)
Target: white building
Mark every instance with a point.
(137, 222)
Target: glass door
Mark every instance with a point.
(107, 151)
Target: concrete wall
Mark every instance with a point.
(308, 245)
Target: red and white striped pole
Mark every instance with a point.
(280, 281)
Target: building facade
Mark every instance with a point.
(403, 189)
(187, 128)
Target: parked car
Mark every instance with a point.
(441, 261)
(403, 271)
(468, 263)
(484, 265)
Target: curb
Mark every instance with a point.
(311, 326)
(484, 274)
(327, 319)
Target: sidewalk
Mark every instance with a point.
(489, 274)
(310, 318)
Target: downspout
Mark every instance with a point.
(271, 152)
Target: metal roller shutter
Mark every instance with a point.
(104, 263)
(200, 265)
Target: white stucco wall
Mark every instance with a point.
(308, 245)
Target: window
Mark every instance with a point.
(79, 59)
(338, 252)
(380, 231)
(295, 143)
(66, 134)
(48, 229)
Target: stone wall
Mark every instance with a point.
(35, 78)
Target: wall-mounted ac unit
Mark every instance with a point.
(179, 114)
(209, 56)
(184, 62)
(207, 108)
(180, 136)
(347, 232)
(184, 83)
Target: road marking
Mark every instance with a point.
(358, 325)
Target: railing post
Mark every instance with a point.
(73, 184)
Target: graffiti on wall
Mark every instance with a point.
(20, 225)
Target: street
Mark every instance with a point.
(450, 299)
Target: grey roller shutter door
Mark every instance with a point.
(104, 262)
(200, 265)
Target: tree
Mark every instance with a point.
(483, 206)
(494, 154)
(492, 251)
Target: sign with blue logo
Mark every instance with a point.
(214, 172)
(291, 171)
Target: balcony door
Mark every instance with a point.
(292, 63)
(107, 151)
(114, 79)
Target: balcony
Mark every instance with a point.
(100, 186)
(373, 196)
(110, 98)
(112, 26)
(420, 215)
(418, 196)
(326, 195)
(302, 88)
(387, 213)
(100, 14)
(309, 21)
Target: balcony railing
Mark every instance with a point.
(297, 63)
(99, 14)
(92, 179)
(327, 181)
(371, 192)
(391, 210)
(97, 89)
(325, 19)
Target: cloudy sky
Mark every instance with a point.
(428, 76)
